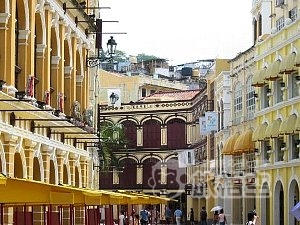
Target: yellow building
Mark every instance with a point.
(277, 110)
(202, 175)
(43, 83)
(133, 88)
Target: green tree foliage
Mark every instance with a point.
(112, 140)
(144, 57)
(121, 56)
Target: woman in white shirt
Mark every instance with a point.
(222, 218)
(122, 218)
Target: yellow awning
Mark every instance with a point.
(288, 125)
(259, 78)
(287, 64)
(273, 129)
(244, 143)
(272, 72)
(14, 191)
(229, 145)
(259, 132)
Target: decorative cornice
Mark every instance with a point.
(24, 34)
(40, 48)
(68, 71)
(4, 18)
(18, 132)
(55, 60)
(79, 78)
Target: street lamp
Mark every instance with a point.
(111, 46)
(94, 61)
(113, 98)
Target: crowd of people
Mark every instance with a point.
(152, 217)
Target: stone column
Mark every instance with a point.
(72, 163)
(10, 143)
(139, 136)
(60, 155)
(164, 135)
(29, 156)
(84, 171)
(7, 47)
(46, 154)
(23, 59)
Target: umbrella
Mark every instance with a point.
(295, 211)
(216, 208)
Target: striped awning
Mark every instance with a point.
(272, 72)
(287, 64)
(272, 130)
(259, 132)
(244, 143)
(259, 78)
(228, 148)
(288, 125)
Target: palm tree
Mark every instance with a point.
(112, 140)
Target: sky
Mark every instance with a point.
(179, 31)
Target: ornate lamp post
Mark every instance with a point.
(111, 47)
(94, 61)
(113, 98)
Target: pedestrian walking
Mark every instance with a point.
(122, 218)
(222, 218)
(252, 218)
(168, 215)
(191, 216)
(178, 215)
(203, 216)
(144, 215)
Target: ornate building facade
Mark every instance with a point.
(158, 128)
(44, 97)
(277, 109)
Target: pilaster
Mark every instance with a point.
(72, 163)
(6, 33)
(23, 59)
(29, 156)
(10, 143)
(60, 155)
(84, 171)
(46, 151)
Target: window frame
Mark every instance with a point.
(280, 23)
(250, 99)
(238, 103)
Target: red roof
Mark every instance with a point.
(171, 96)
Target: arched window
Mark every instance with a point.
(151, 134)
(128, 177)
(250, 99)
(106, 180)
(176, 134)
(176, 177)
(152, 173)
(238, 104)
(130, 133)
